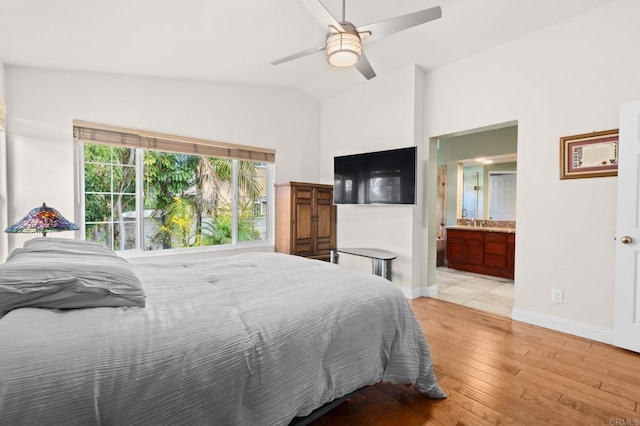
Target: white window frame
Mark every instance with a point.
(138, 251)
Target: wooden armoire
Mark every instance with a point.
(305, 219)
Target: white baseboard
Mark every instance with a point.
(414, 293)
(432, 290)
(566, 326)
(410, 293)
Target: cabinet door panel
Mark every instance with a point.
(473, 252)
(324, 221)
(455, 250)
(511, 255)
(304, 194)
(325, 196)
(304, 221)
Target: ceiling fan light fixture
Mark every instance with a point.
(343, 44)
(343, 49)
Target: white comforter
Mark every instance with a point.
(252, 339)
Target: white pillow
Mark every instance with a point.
(65, 273)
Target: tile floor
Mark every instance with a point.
(491, 294)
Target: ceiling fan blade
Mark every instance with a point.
(322, 15)
(299, 55)
(399, 23)
(365, 68)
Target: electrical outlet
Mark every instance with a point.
(557, 295)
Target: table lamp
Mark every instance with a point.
(42, 219)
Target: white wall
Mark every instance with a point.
(564, 80)
(485, 143)
(4, 243)
(43, 104)
(377, 116)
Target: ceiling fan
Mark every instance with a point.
(344, 40)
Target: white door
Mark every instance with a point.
(627, 277)
(502, 196)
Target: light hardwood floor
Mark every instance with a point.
(499, 371)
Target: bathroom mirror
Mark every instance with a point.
(483, 150)
(487, 188)
(469, 195)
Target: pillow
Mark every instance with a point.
(65, 273)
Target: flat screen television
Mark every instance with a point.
(381, 177)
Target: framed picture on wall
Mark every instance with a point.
(589, 155)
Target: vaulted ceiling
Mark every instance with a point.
(235, 41)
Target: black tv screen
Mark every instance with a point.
(382, 177)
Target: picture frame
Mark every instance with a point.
(589, 155)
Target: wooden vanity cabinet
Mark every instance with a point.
(483, 252)
(464, 247)
(495, 250)
(305, 220)
(511, 254)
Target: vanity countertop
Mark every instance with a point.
(483, 228)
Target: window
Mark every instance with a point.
(136, 197)
(110, 196)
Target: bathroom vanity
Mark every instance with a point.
(489, 251)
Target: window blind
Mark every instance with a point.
(84, 131)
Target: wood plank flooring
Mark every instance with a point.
(499, 371)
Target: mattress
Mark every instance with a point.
(250, 339)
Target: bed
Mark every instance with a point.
(249, 339)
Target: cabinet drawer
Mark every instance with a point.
(324, 246)
(464, 235)
(495, 237)
(495, 260)
(495, 248)
(303, 247)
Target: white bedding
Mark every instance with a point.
(253, 339)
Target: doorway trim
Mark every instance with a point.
(430, 234)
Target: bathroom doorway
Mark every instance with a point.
(477, 175)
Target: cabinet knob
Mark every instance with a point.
(626, 240)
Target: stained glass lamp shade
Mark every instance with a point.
(42, 219)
